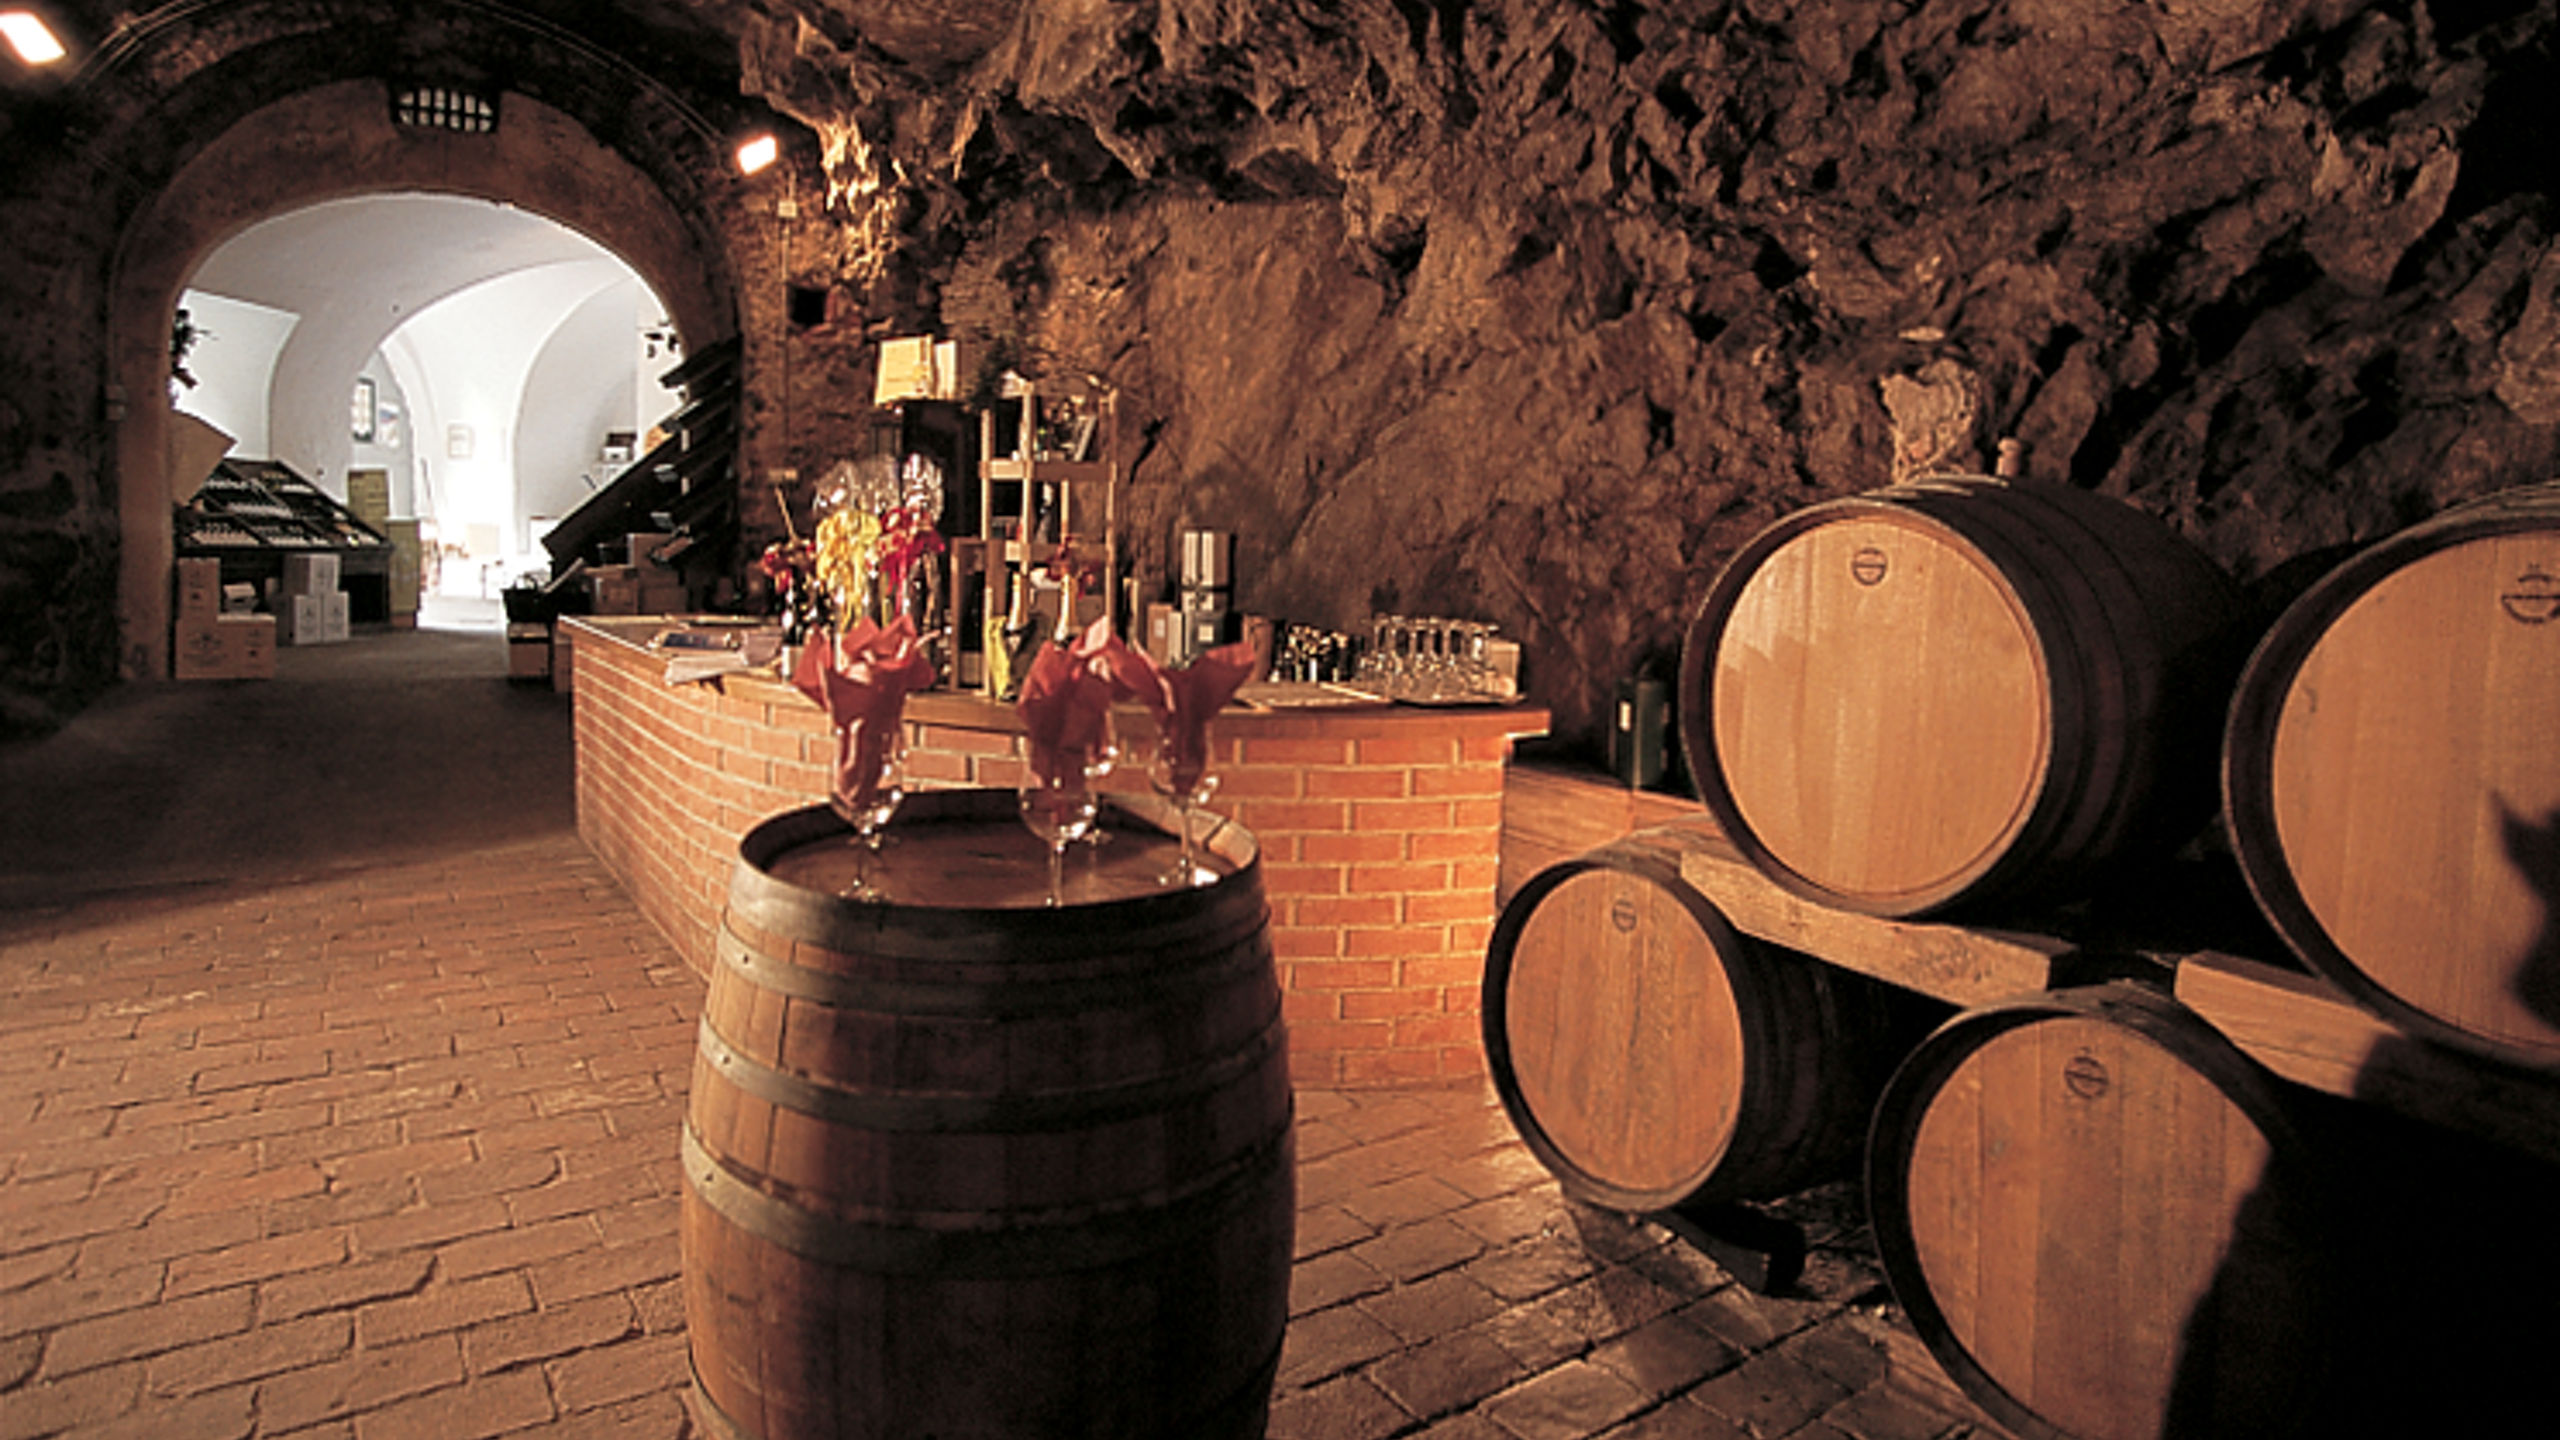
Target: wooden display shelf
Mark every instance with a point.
(1050, 472)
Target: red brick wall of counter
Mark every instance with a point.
(1381, 835)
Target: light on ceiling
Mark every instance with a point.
(757, 153)
(30, 37)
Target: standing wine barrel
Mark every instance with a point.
(2105, 1221)
(2392, 776)
(958, 1165)
(1649, 1054)
(1956, 692)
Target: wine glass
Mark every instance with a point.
(1100, 761)
(1059, 808)
(870, 786)
(1186, 784)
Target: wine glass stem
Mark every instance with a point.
(1057, 862)
(1182, 817)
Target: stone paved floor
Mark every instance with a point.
(391, 1153)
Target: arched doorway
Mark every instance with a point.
(327, 143)
(475, 361)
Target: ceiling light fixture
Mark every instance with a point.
(30, 37)
(757, 153)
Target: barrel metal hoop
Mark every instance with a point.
(910, 1112)
(962, 1246)
(1009, 1000)
(721, 1424)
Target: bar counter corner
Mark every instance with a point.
(1380, 829)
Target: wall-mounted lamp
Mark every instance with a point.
(758, 152)
(30, 37)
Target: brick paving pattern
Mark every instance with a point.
(392, 1154)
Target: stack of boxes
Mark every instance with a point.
(648, 585)
(1202, 617)
(209, 643)
(310, 608)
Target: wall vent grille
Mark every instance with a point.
(444, 107)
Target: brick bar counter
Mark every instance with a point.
(1380, 828)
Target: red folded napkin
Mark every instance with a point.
(1186, 700)
(861, 680)
(1067, 696)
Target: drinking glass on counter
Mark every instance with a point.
(1428, 658)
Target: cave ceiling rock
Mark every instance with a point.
(2377, 190)
(1937, 415)
(935, 39)
(2528, 380)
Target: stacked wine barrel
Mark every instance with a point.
(2392, 776)
(1968, 701)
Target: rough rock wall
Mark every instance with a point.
(1534, 310)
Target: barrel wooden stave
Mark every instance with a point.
(1970, 693)
(1051, 1148)
(2392, 785)
(1651, 1055)
(2106, 1222)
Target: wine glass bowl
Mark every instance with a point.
(1187, 783)
(1058, 809)
(1099, 762)
(868, 792)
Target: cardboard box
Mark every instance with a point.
(616, 589)
(1262, 634)
(642, 542)
(224, 647)
(252, 639)
(240, 599)
(528, 652)
(333, 617)
(1164, 631)
(199, 586)
(310, 573)
(198, 650)
(661, 597)
(301, 619)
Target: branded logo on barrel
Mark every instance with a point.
(2535, 598)
(1622, 913)
(2085, 1076)
(1867, 567)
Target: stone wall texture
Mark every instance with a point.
(1534, 310)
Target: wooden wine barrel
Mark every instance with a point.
(961, 1166)
(1649, 1054)
(1956, 692)
(2392, 775)
(2105, 1221)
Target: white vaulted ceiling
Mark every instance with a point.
(351, 274)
